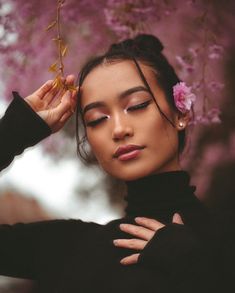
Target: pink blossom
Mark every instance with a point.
(215, 51)
(183, 97)
(185, 64)
(89, 27)
(213, 153)
(121, 16)
(210, 117)
(215, 86)
(201, 119)
(196, 86)
(194, 52)
(214, 115)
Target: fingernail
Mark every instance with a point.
(74, 93)
(139, 218)
(115, 242)
(122, 226)
(49, 82)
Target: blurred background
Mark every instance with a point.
(49, 180)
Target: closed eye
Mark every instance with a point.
(139, 106)
(95, 122)
(132, 108)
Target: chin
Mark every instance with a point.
(130, 173)
(139, 168)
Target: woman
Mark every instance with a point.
(166, 242)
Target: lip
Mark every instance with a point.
(126, 149)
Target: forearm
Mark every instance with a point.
(20, 128)
(28, 250)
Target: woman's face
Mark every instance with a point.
(119, 111)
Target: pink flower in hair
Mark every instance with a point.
(183, 97)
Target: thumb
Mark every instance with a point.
(177, 219)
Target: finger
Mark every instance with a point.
(66, 116)
(149, 223)
(132, 259)
(177, 219)
(41, 92)
(55, 102)
(55, 98)
(51, 96)
(63, 107)
(130, 243)
(73, 101)
(70, 79)
(137, 231)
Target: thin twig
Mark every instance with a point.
(61, 65)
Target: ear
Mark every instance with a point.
(182, 120)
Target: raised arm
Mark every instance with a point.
(28, 121)
(28, 250)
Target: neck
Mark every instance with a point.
(159, 195)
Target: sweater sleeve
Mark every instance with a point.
(30, 250)
(191, 264)
(20, 128)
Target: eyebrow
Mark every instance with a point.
(124, 94)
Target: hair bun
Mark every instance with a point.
(127, 44)
(148, 42)
(141, 43)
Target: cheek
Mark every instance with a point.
(96, 142)
(154, 125)
(91, 138)
(162, 135)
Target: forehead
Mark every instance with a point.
(110, 79)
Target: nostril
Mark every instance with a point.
(122, 133)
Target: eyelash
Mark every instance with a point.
(133, 108)
(139, 106)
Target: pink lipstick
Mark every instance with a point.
(127, 152)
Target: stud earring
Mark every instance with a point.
(181, 124)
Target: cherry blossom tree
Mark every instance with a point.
(197, 38)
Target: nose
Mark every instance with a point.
(121, 128)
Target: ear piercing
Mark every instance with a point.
(181, 124)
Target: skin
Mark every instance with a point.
(120, 126)
(54, 106)
(145, 230)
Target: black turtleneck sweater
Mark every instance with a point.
(66, 256)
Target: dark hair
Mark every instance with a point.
(147, 49)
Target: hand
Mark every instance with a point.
(53, 105)
(146, 230)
